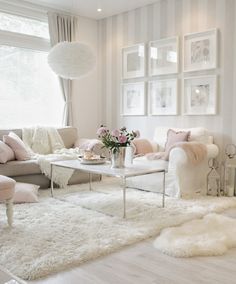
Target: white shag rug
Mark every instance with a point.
(212, 235)
(59, 233)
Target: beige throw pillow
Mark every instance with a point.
(142, 146)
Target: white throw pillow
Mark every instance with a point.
(25, 193)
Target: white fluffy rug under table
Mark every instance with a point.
(78, 225)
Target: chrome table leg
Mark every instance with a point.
(164, 189)
(124, 197)
(52, 180)
(90, 181)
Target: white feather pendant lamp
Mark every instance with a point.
(71, 60)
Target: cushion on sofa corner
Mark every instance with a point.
(142, 146)
(69, 136)
(18, 146)
(6, 153)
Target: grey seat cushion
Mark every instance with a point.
(19, 168)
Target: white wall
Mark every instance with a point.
(168, 18)
(85, 97)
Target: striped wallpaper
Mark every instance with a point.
(167, 18)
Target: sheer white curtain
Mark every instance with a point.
(64, 28)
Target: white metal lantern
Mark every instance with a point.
(230, 170)
(213, 179)
(71, 60)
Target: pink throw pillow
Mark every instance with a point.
(25, 193)
(90, 144)
(174, 137)
(18, 147)
(6, 153)
(142, 146)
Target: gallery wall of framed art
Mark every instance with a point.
(157, 65)
(200, 95)
(163, 56)
(133, 99)
(200, 51)
(134, 61)
(163, 97)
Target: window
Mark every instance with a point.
(23, 25)
(29, 91)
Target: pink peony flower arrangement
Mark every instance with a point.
(116, 138)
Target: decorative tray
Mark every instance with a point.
(92, 161)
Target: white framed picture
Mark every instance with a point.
(133, 99)
(163, 97)
(163, 56)
(200, 51)
(133, 61)
(200, 95)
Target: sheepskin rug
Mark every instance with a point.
(78, 225)
(212, 235)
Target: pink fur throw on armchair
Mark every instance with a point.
(195, 151)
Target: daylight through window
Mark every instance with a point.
(29, 91)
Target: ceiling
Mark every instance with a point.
(88, 8)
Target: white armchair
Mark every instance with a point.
(183, 179)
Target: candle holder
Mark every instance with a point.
(213, 179)
(229, 170)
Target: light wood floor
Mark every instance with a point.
(142, 264)
(7, 277)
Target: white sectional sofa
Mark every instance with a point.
(183, 179)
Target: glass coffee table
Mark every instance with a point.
(136, 169)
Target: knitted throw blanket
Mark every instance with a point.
(61, 175)
(195, 151)
(47, 146)
(42, 140)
